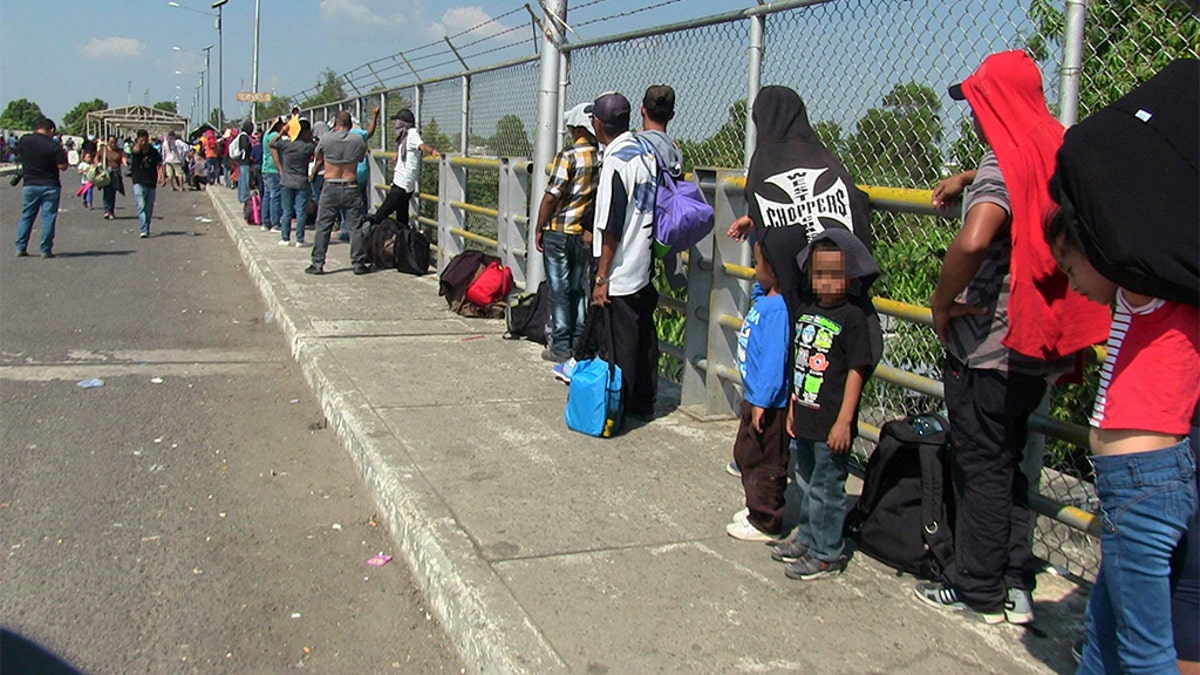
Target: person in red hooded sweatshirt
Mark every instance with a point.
(1010, 323)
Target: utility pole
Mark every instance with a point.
(254, 80)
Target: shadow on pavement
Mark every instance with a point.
(90, 254)
(21, 655)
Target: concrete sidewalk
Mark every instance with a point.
(543, 550)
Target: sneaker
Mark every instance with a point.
(344, 237)
(945, 597)
(362, 269)
(1018, 606)
(283, 242)
(48, 254)
(562, 371)
(22, 254)
(743, 512)
(300, 244)
(742, 528)
(733, 469)
(548, 354)
(143, 235)
(805, 568)
(108, 215)
(1077, 650)
(788, 551)
(266, 228)
(314, 269)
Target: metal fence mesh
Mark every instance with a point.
(873, 74)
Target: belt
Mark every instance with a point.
(341, 181)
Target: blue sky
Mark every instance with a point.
(59, 52)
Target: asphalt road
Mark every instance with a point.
(193, 514)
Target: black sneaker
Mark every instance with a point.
(362, 269)
(314, 269)
(48, 254)
(944, 597)
(787, 551)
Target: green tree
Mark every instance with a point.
(725, 148)
(329, 89)
(898, 144)
(167, 106)
(75, 121)
(1125, 43)
(21, 115)
(511, 139)
(279, 105)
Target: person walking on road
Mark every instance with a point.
(339, 152)
(112, 157)
(43, 158)
(143, 168)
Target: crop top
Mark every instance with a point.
(1151, 379)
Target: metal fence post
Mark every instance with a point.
(729, 298)
(758, 29)
(452, 187)
(1068, 90)
(513, 198)
(465, 144)
(694, 394)
(549, 112)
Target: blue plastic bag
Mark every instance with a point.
(594, 401)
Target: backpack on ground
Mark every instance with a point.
(528, 316)
(461, 274)
(252, 209)
(681, 216)
(904, 516)
(394, 246)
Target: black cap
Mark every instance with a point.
(612, 109)
(405, 115)
(956, 92)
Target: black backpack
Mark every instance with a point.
(528, 316)
(399, 247)
(904, 516)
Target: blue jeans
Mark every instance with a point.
(294, 203)
(212, 166)
(821, 477)
(243, 187)
(1146, 501)
(144, 195)
(566, 275)
(272, 209)
(33, 198)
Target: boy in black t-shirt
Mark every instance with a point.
(832, 361)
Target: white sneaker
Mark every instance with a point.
(742, 514)
(741, 528)
(283, 242)
(300, 244)
(266, 228)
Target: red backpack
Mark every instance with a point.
(493, 285)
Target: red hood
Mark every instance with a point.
(1047, 318)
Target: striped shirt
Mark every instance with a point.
(977, 340)
(573, 178)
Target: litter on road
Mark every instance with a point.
(379, 560)
(90, 384)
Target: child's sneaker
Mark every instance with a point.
(562, 371)
(807, 569)
(946, 598)
(788, 551)
(1018, 606)
(742, 528)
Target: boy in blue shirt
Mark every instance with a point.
(761, 446)
(832, 360)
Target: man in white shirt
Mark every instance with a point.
(624, 233)
(174, 150)
(409, 150)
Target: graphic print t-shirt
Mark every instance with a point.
(828, 343)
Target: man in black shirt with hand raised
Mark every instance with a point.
(42, 158)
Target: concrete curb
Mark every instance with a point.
(491, 630)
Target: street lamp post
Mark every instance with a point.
(206, 76)
(217, 5)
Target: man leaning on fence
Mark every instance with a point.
(1009, 321)
(623, 236)
(564, 231)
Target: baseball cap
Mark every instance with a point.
(659, 101)
(405, 115)
(956, 92)
(612, 109)
(579, 116)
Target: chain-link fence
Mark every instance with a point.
(873, 74)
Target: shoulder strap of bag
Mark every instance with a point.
(933, 529)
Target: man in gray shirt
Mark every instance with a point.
(339, 152)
